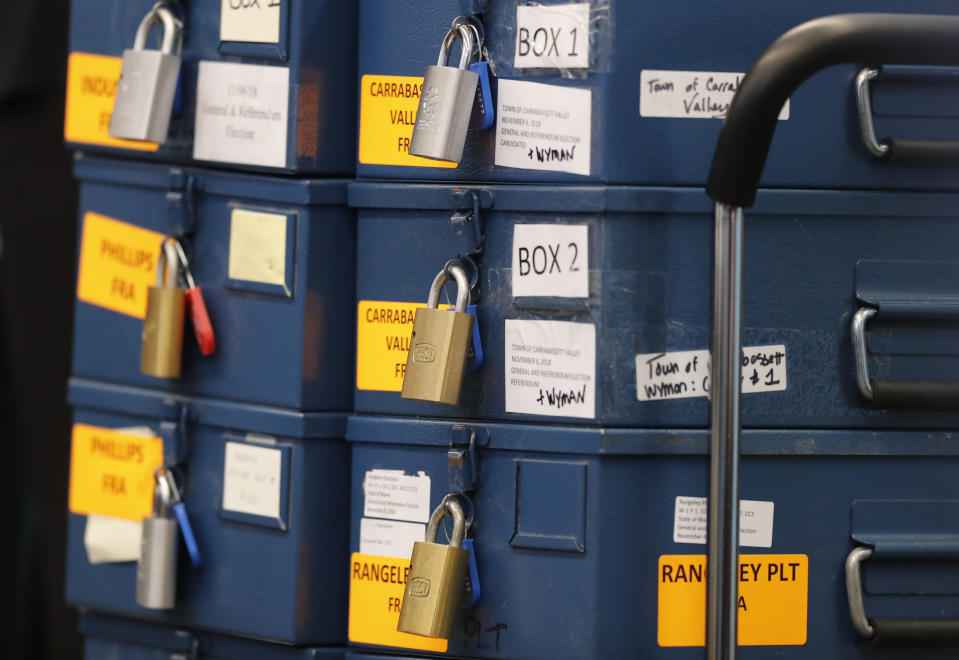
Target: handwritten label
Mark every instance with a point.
(254, 21)
(543, 127)
(395, 495)
(551, 260)
(389, 538)
(689, 94)
(111, 472)
(552, 36)
(377, 584)
(258, 247)
(685, 374)
(118, 263)
(112, 540)
(241, 113)
(551, 368)
(388, 106)
(252, 479)
(690, 520)
(91, 90)
(773, 599)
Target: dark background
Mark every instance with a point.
(37, 257)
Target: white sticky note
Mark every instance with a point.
(252, 479)
(389, 538)
(552, 36)
(241, 113)
(111, 540)
(395, 495)
(551, 368)
(685, 374)
(691, 522)
(255, 21)
(543, 127)
(551, 260)
(258, 247)
(690, 94)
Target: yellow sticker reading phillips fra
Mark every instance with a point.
(376, 593)
(91, 89)
(111, 472)
(383, 332)
(118, 263)
(773, 598)
(388, 107)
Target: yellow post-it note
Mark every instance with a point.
(376, 593)
(111, 472)
(118, 263)
(91, 89)
(383, 331)
(388, 107)
(773, 598)
(258, 247)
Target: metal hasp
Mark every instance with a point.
(737, 166)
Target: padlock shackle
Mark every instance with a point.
(462, 288)
(861, 39)
(171, 30)
(168, 264)
(448, 507)
(466, 52)
(184, 264)
(165, 493)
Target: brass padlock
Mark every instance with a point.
(439, 345)
(163, 325)
(436, 579)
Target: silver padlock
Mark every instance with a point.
(446, 102)
(156, 569)
(148, 80)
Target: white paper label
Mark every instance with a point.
(111, 540)
(256, 21)
(257, 247)
(389, 538)
(691, 518)
(552, 36)
(551, 368)
(685, 374)
(396, 495)
(551, 260)
(241, 113)
(252, 477)
(543, 127)
(689, 94)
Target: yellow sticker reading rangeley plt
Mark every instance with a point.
(376, 591)
(118, 263)
(387, 113)
(383, 331)
(111, 472)
(773, 595)
(91, 88)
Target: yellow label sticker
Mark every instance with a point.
(387, 113)
(111, 472)
(376, 592)
(383, 331)
(91, 88)
(118, 263)
(773, 597)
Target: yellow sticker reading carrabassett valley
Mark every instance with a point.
(376, 592)
(383, 332)
(118, 263)
(387, 113)
(773, 595)
(111, 472)
(91, 89)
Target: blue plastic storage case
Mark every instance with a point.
(570, 526)
(109, 638)
(818, 146)
(273, 578)
(284, 333)
(813, 258)
(315, 42)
